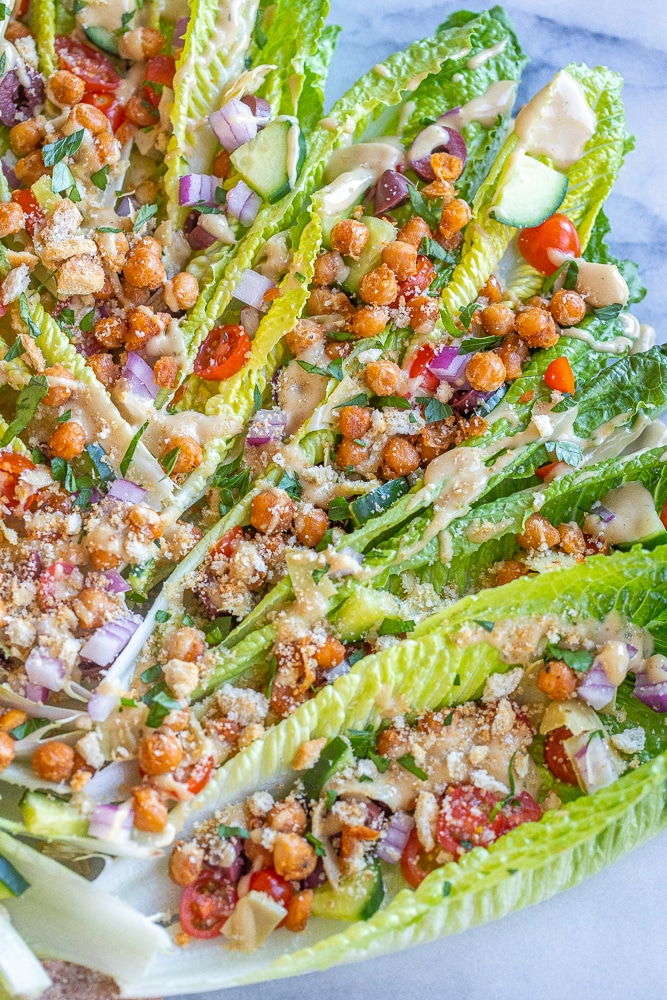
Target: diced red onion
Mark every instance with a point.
(250, 317)
(101, 706)
(117, 585)
(252, 287)
(391, 191)
(338, 671)
(198, 189)
(199, 239)
(593, 764)
(449, 366)
(243, 203)
(129, 492)
(44, 670)
(125, 206)
(111, 822)
(469, 400)
(353, 557)
(260, 108)
(140, 373)
(316, 878)
(180, 28)
(106, 642)
(36, 692)
(234, 124)
(391, 846)
(653, 695)
(435, 138)
(267, 426)
(632, 650)
(596, 689)
(602, 512)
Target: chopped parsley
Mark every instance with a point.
(396, 402)
(434, 410)
(233, 831)
(101, 177)
(64, 417)
(408, 762)
(474, 344)
(87, 322)
(290, 483)
(27, 402)
(580, 660)
(162, 616)
(359, 400)
(317, 844)
(145, 213)
(318, 574)
(169, 460)
(28, 727)
(131, 448)
(151, 674)
(54, 152)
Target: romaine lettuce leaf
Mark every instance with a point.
(597, 250)
(43, 25)
(316, 69)
(291, 41)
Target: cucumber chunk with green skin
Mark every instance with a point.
(263, 162)
(357, 897)
(103, 38)
(46, 816)
(12, 883)
(378, 500)
(364, 610)
(381, 233)
(635, 519)
(334, 754)
(530, 193)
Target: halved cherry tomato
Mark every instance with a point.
(274, 885)
(161, 70)
(556, 758)
(11, 467)
(34, 216)
(663, 515)
(522, 808)
(416, 283)
(89, 64)
(223, 353)
(108, 105)
(557, 233)
(559, 375)
(465, 819)
(21, 9)
(206, 904)
(200, 775)
(416, 863)
(544, 470)
(227, 543)
(422, 358)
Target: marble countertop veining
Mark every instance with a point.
(603, 940)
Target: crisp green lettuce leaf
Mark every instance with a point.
(316, 69)
(21, 974)
(598, 250)
(291, 41)
(43, 25)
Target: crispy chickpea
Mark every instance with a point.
(390, 743)
(329, 269)
(354, 421)
(150, 812)
(497, 319)
(424, 312)
(159, 754)
(538, 302)
(326, 301)
(221, 164)
(384, 378)
(368, 321)
(485, 371)
(298, 911)
(185, 862)
(186, 643)
(492, 290)
(536, 327)
(557, 680)
(93, 607)
(90, 117)
(27, 136)
(567, 307)
(68, 440)
(349, 237)
(7, 751)
(446, 167)
(307, 333)
(349, 454)
(140, 112)
(12, 219)
(436, 438)
(272, 511)
(508, 570)
(16, 30)
(330, 653)
(337, 349)
(310, 526)
(58, 394)
(166, 372)
(379, 286)
(139, 44)
(143, 267)
(145, 521)
(53, 761)
(455, 216)
(399, 458)
(111, 331)
(106, 370)
(190, 455)
(64, 88)
(513, 353)
(414, 231)
(30, 168)
(287, 816)
(538, 533)
(131, 296)
(107, 149)
(401, 258)
(184, 291)
(143, 325)
(293, 856)
(572, 539)
(12, 718)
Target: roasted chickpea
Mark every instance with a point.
(272, 511)
(538, 533)
(68, 440)
(287, 816)
(12, 718)
(64, 88)
(298, 911)
(508, 570)
(399, 458)
(436, 438)
(497, 319)
(354, 421)
(424, 313)
(27, 136)
(557, 680)
(106, 370)
(293, 856)
(140, 112)
(30, 168)
(567, 307)
(58, 394)
(181, 292)
(12, 219)
(53, 761)
(327, 301)
(143, 267)
(368, 321)
(329, 269)
(186, 643)
(93, 607)
(513, 353)
(150, 812)
(384, 378)
(349, 454)
(140, 44)
(349, 237)
(492, 290)
(185, 862)
(307, 333)
(16, 30)
(221, 164)
(401, 258)
(390, 743)
(190, 455)
(145, 521)
(455, 216)
(379, 286)
(7, 751)
(111, 331)
(159, 754)
(330, 653)
(311, 525)
(536, 327)
(90, 117)
(446, 167)
(485, 371)
(414, 231)
(143, 324)
(166, 372)
(572, 539)
(107, 149)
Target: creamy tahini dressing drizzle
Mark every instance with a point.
(557, 122)
(345, 191)
(635, 515)
(385, 153)
(485, 109)
(478, 60)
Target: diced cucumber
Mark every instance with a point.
(12, 883)
(44, 196)
(381, 233)
(263, 161)
(530, 193)
(332, 758)
(103, 38)
(357, 897)
(371, 504)
(46, 816)
(635, 520)
(362, 611)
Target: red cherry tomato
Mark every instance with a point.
(200, 775)
(422, 358)
(223, 353)
(206, 905)
(544, 470)
(556, 758)
(416, 863)
(161, 70)
(465, 819)
(227, 543)
(557, 233)
(663, 515)
(108, 105)
(11, 467)
(274, 885)
(34, 216)
(418, 282)
(521, 809)
(559, 375)
(89, 64)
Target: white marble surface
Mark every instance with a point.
(605, 939)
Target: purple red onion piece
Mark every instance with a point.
(260, 108)
(449, 366)
(110, 822)
(234, 124)
(117, 585)
(136, 370)
(198, 189)
(391, 846)
(128, 492)
(391, 191)
(653, 695)
(44, 670)
(243, 203)
(106, 642)
(595, 688)
(268, 426)
(36, 692)
(602, 512)
(180, 29)
(252, 287)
